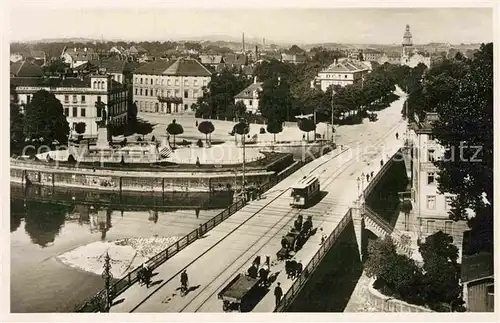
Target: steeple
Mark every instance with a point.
(407, 40)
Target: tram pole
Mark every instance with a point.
(107, 276)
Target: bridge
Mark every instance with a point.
(213, 257)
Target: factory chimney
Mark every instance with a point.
(243, 38)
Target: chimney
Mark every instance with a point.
(254, 79)
(85, 49)
(74, 49)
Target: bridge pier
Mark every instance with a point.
(359, 224)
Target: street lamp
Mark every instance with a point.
(107, 276)
(358, 180)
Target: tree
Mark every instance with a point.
(16, 127)
(274, 100)
(307, 125)
(56, 66)
(80, 129)
(207, 128)
(241, 128)
(44, 120)
(274, 126)
(379, 253)
(465, 129)
(239, 109)
(175, 129)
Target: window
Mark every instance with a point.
(447, 202)
(345, 76)
(431, 178)
(195, 82)
(169, 93)
(66, 112)
(161, 81)
(136, 91)
(177, 93)
(431, 226)
(250, 102)
(176, 82)
(204, 82)
(431, 202)
(431, 137)
(82, 112)
(83, 98)
(169, 82)
(28, 98)
(157, 81)
(146, 92)
(140, 91)
(151, 81)
(430, 155)
(141, 80)
(186, 94)
(185, 106)
(136, 80)
(448, 227)
(66, 98)
(186, 82)
(75, 112)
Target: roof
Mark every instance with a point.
(304, 182)
(82, 55)
(235, 59)
(25, 69)
(50, 82)
(247, 93)
(372, 51)
(345, 66)
(294, 57)
(114, 65)
(211, 59)
(477, 266)
(248, 70)
(294, 50)
(37, 54)
(179, 67)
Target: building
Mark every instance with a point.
(293, 58)
(372, 55)
(342, 73)
(38, 57)
(25, 69)
(411, 56)
(429, 207)
(121, 70)
(169, 86)
(78, 97)
(16, 57)
(77, 56)
(250, 96)
(477, 278)
(211, 60)
(235, 60)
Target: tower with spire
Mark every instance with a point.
(407, 41)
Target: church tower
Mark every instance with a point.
(407, 42)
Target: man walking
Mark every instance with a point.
(278, 293)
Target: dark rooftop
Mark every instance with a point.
(25, 69)
(179, 67)
(50, 82)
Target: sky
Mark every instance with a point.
(283, 25)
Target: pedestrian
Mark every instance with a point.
(196, 123)
(268, 261)
(397, 136)
(299, 268)
(381, 163)
(278, 293)
(293, 268)
(367, 177)
(371, 174)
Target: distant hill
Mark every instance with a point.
(64, 40)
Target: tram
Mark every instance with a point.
(304, 191)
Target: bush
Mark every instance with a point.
(262, 130)
(199, 143)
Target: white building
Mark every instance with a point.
(169, 87)
(429, 207)
(342, 73)
(77, 56)
(250, 96)
(78, 97)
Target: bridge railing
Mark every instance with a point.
(93, 304)
(124, 283)
(313, 264)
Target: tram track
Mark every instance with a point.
(290, 214)
(330, 179)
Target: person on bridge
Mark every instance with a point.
(278, 292)
(293, 267)
(299, 268)
(184, 280)
(397, 136)
(371, 174)
(252, 271)
(367, 177)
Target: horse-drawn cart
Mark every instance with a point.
(238, 293)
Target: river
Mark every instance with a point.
(46, 223)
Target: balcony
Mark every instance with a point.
(170, 99)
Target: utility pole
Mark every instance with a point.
(107, 276)
(243, 184)
(333, 133)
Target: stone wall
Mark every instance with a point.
(389, 304)
(135, 181)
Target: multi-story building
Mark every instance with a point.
(372, 55)
(342, 73)
(250, 96)
(429, 207)
(77, 56)
(411, 56)
(170, 86)
(78, 97)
